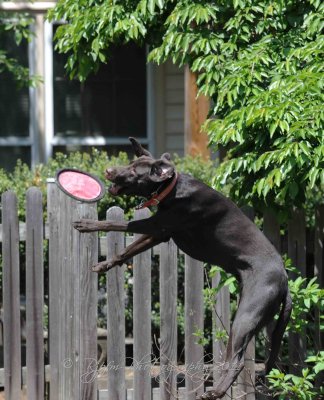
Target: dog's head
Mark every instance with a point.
(142, 176)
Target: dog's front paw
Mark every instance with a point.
(85, 225)
(104, 266)
(100, 267)
(210, 395)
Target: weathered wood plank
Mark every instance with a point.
(34, 294)
(168, 328)
(249, 370)
(246, 380)
(319, 272)
(142, 320)
(116, 313)
(11, 296)
(65, 291)
(194, 319)
(55, 294)
(319, 265)
(297, 253)
(73, 298)
(85, 254)
(271, 229)
(221, 323)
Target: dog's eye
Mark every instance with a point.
(155, 170)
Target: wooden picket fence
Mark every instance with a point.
(73, 299)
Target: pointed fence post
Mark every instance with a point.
(11, 296)
(221, 323)
(168, 328)
(72, 298)
(116, 312)
(319, 272)
(297, 253)
(194, 320)
(34, 294)
(142, 320)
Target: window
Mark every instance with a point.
(63, 115)
(106, 109)
(15, 139)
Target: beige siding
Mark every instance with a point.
(174, 108)
(169, 81)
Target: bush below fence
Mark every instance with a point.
(73, 299)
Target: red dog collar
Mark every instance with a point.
(158, 197)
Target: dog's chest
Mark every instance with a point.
(195, 245)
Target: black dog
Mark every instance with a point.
(208, 227)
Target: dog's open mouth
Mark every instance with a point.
(114, 189)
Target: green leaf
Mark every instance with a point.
(319, 367)
(307, 303)
(293, 189)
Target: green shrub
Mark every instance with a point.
(298, 387)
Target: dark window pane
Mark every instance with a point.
(111, 103)
(111, 150)
(14, 101)
(130, 109)
(9, 156)
(67, 116)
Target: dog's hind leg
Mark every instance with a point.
(278, 332)
(252, 314)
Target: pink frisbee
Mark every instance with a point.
(80, 185)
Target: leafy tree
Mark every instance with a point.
(261, 63)
(17, 27)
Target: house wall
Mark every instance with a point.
(165, 94)
(169, 108)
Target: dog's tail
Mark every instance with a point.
(278, 331)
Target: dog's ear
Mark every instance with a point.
(161, 171)
(138, 149)
(166, 156)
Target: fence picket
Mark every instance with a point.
(319, 266)
(66, 322)
(168, 327)
(221, 323)
(297, 253)
(85, 254)
(194, 320)
(34, 295)
(271, 229)
(55, 293)
(246, 380)
(73, 324)
(11, 297)
(142, 320)
(116, 313)
(319, 272)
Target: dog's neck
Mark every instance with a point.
(157, 196)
